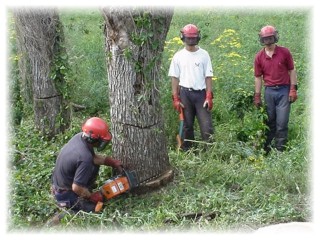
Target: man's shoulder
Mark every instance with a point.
(76, 144)
(201, 50)
(282, 49)
(180, 51)
(76, 140)
(261, 51)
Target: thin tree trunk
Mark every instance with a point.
(134, 44)
(40, 32)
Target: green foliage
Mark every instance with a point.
(16, 102)
(84, 41)
(143, 23)
(241, 101)
(232, 179)
(253, 126)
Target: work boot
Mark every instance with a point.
(280, 144)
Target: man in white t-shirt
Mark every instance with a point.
(191, 74)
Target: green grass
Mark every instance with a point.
(232, 179)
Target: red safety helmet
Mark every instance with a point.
(190, 34)
(96, 130)
(190, 31)
(268, 31)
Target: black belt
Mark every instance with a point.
(191, 89)
(277, 86)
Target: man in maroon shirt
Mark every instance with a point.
(275, 67)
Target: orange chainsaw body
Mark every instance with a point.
(115, 186)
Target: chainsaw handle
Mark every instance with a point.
(115, 171)
(180, 133)
(181, 116)
(98, 207)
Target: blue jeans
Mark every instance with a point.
(193, 108)
(278, 111)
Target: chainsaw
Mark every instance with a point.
(117, 185)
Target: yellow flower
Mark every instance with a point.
(229, 31)
(233, 54)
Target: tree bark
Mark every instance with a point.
(134, 43)
(25, 71)
(40, 32)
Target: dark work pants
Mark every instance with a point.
(71, 200)
(278, 110)
(193, 108)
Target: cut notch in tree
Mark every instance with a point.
(40, 32)
(134, 42)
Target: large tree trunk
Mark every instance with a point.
(25, 70)
(134, 43)
(40, 32)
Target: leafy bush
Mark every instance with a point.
(233, 181)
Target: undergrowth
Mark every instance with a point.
(232, 186)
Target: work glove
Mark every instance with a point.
(208, 103)
(96, 197)
(108, 161)
(177, 104)
(257, 99)
(293, 96)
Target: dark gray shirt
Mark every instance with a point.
(75, 164)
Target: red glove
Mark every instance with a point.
(208, 103)
(177, 102)
(96, 197)
(257, 99)
(293, 96)
(108, 161)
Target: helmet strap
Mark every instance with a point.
(102, 145)
(89, 139)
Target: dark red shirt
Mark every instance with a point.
(275, 69)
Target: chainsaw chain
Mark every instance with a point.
(149, 179)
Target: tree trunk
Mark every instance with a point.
(134, 43)
(41, 34)
(25, 70)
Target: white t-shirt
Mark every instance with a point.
(191, 68)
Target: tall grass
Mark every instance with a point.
(232, 184)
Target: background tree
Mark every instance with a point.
(134, 44)
(41, 40)
(233, 179)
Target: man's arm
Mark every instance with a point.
(176, 94)
(175, 86)
(258, 84)
(108, 161)
(208, 84)
(257, 91)
(293, 77)
(208, 102)
(81, 191)
(98, 160)
(293, 96)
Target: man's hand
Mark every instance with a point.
(108, 161)
(257, 99)
(177, 102)
(208, 103)
(96, 197)
(293, 96)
